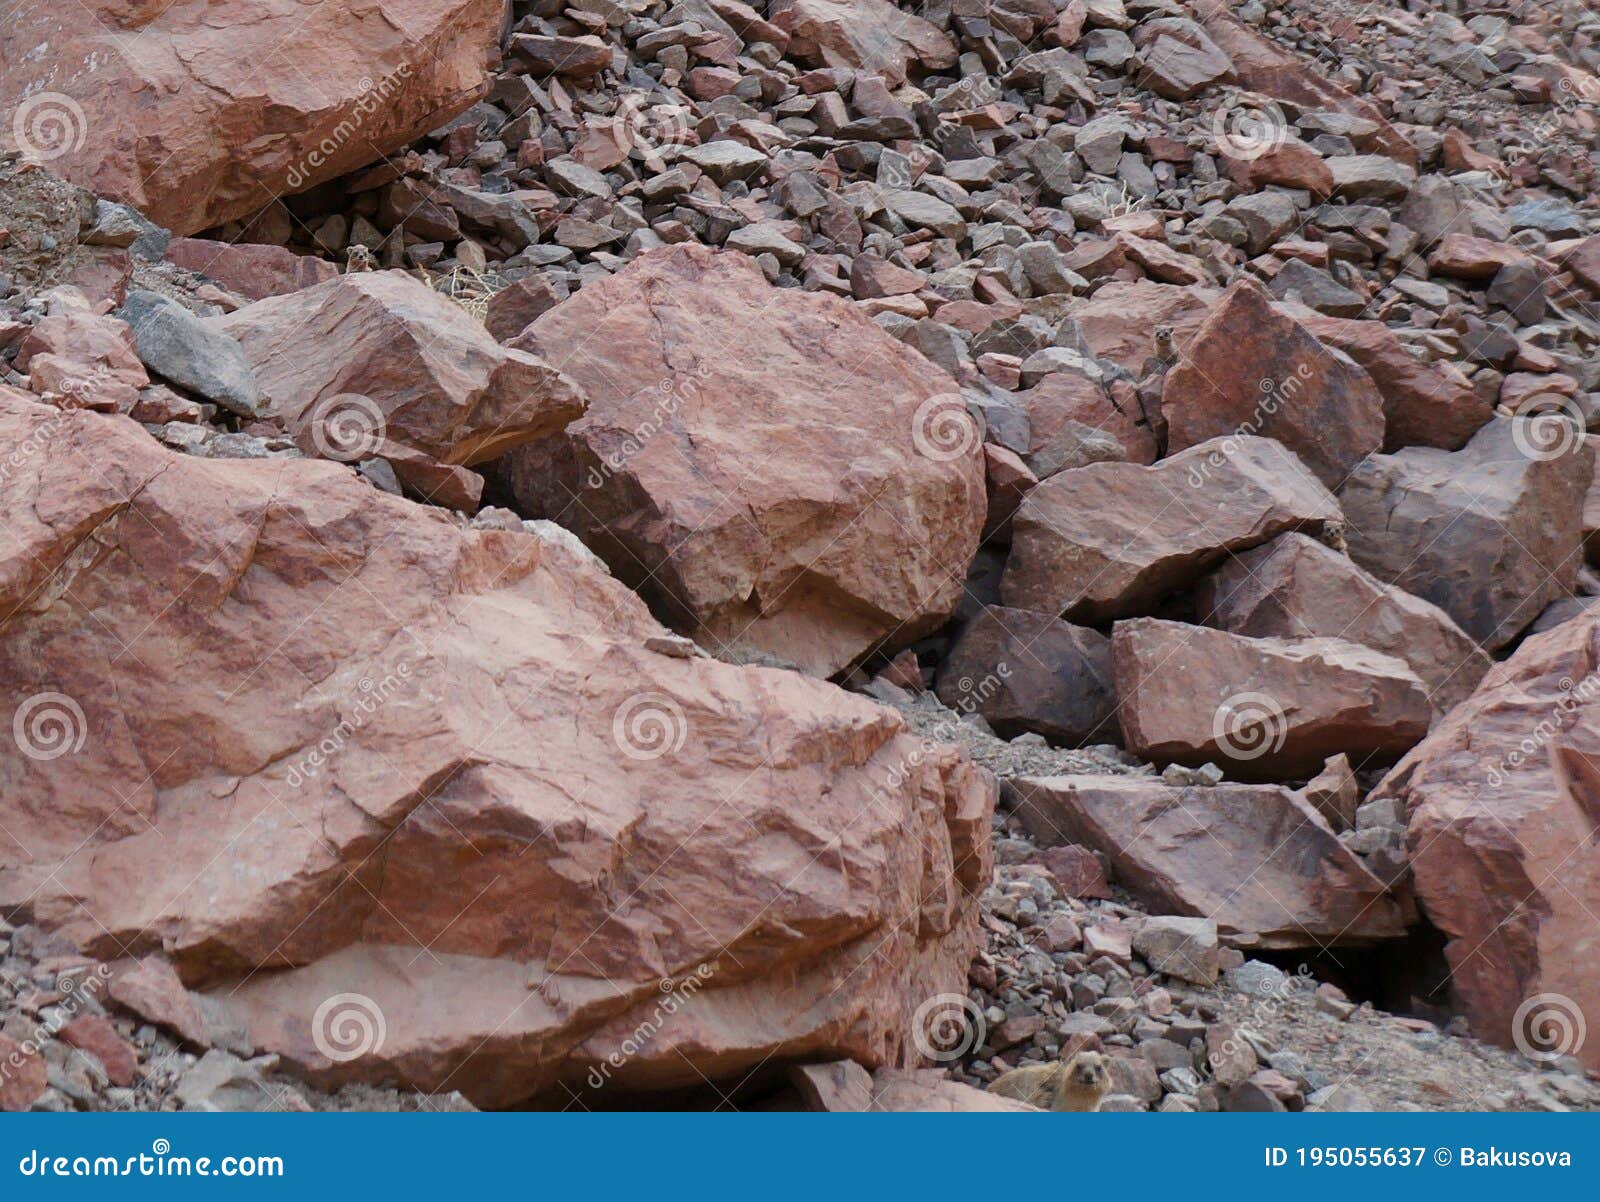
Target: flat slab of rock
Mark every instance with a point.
(1491, 533)
(251, 270)
(1253, 369)
(1262, 708)
(804, 495)
(429, 809)
(1253, 858)
(198, 114)
(1296, 587)
(1503, 799)
(897, 1091)
(379, 356)
(1111, 539)
(1029, 671)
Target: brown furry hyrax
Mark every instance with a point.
(1076, 1084)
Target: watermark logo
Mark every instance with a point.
(947, 1027)
(648, 128)
(346, 426)
(48, 726)
(1249, 129)
(49, 125)
(942, 429)
(348, 1026)
(1247, 726)
(1556, 430)
(1548, 1026)
(648, 726)
(372, 97)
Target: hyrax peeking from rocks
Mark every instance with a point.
(1075, 1084)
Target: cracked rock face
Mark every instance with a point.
(776, 474)
(257, 98)
(320, 741)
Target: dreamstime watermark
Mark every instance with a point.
(346, 426)
(348, 1026)
(1548, 427)
(947, 1027)
(969, 694)
(48, 726)
(678, 994)
(1269, 997)
(1274, 396)
(1573, 695)
(48, 125)
(1247, 726)
(647, 129)
(77, 995)
(371, 696)
(1247, 128)
(943, 430)
(372, 98)
(667, 396)
(648, 726)
(1548, 1026)
(158, 1162)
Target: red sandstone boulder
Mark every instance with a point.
(776, 474)
(1253, 369)
(24, 1078)
(1295, 587)
(862, 35)
(1491, 533)
(421, 802)
(1256, 859)
(1262, 708)
(87, 359)
(1502, 800)
(379, 356)
(198, 112)
(248, 269)
(1031, 671)
(1424, 404)
(1112, 539)
(1290, 164)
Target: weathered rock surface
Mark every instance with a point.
(1253, 858)
(864, 35)
(377, 357)
(1263, 708)
(197, 113)
(1502, 802)
(346, 760)
(1253, 369)
(1025, 671)
(1295, 587)
(776, 475)
(1424, 404)
(1111, 539)
(251, 271)
(1491, 533)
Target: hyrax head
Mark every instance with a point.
(1087, 1070)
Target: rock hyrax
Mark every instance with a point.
(1077, 1084)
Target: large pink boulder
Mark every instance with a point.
(1255, 858)
(1503, 799)
(379, 356)
(1296, 587)
(201, 111)
(777, 475)
(1262, 708)
(444, 805)
(1112, 539)
(1253, 369)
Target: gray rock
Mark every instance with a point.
(182, 348)
(1185, 948)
